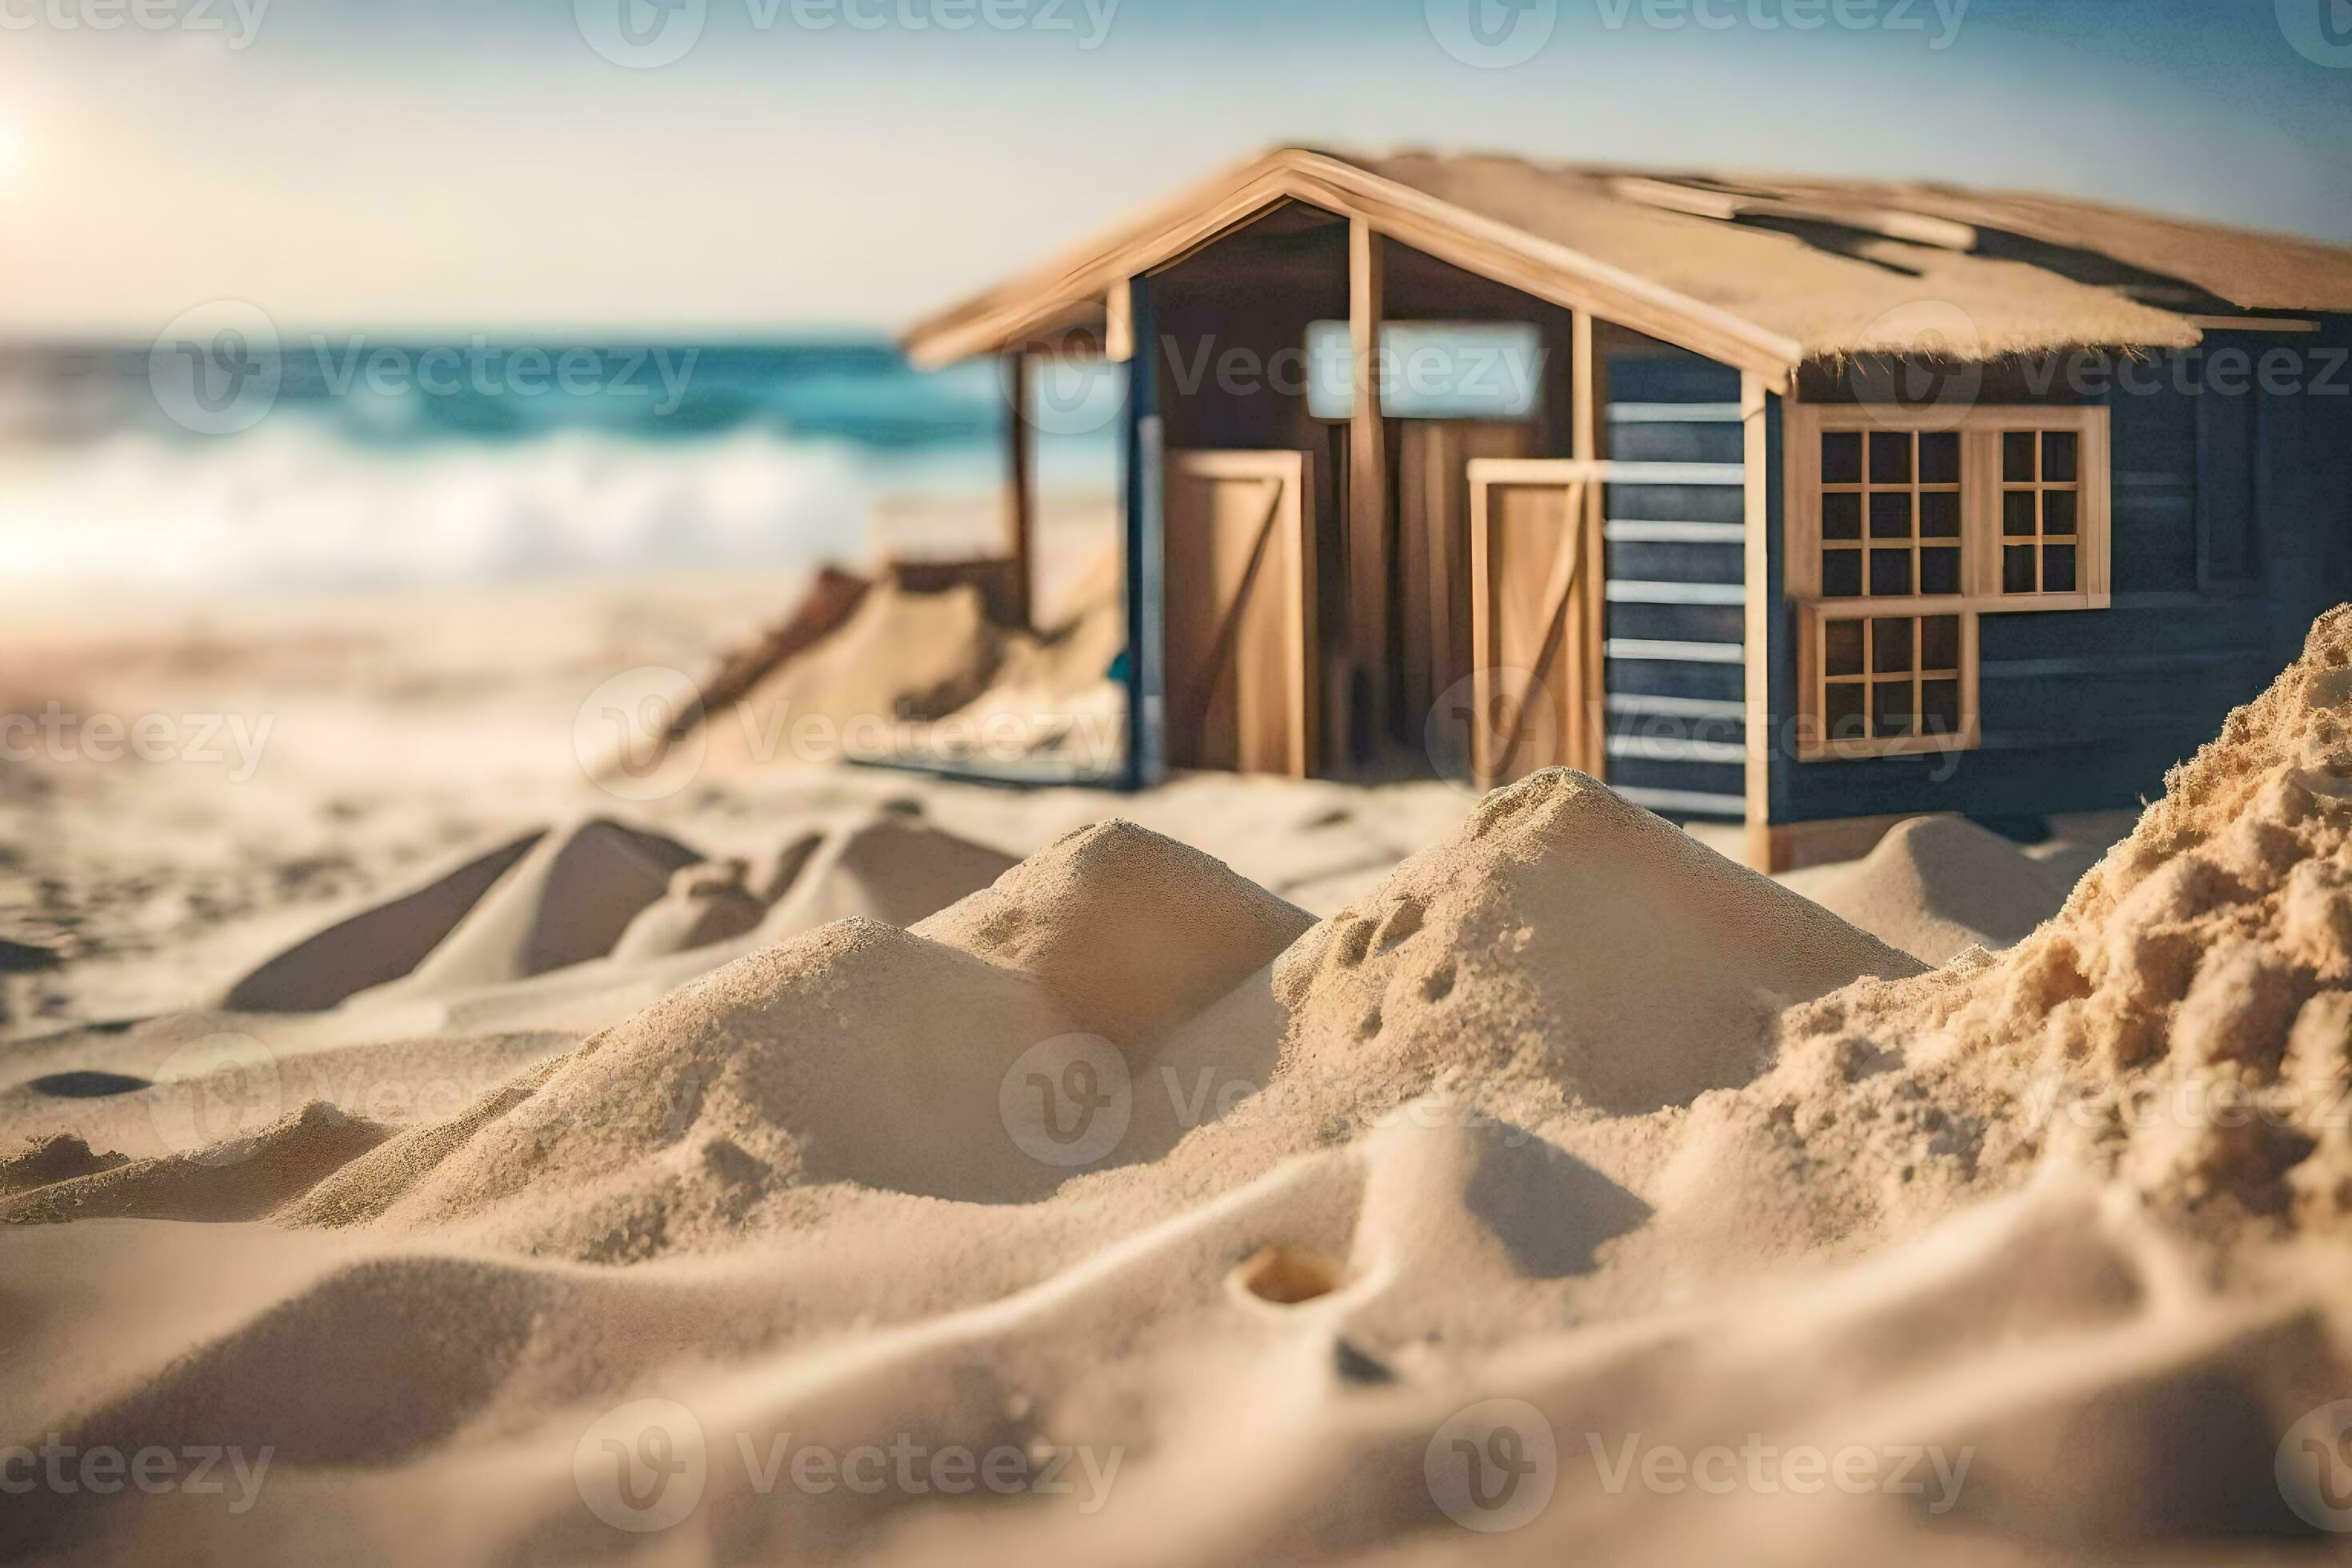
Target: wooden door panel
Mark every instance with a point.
(1434, 651)
(1535, 594)
(1240, 610)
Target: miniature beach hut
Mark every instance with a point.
(1805, 504)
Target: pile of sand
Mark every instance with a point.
(1053, 695)
(901, 657)
(1936, 886)
(2186, 1018)
(707, 902)
(385, 939)
(1132, 932)
(1568, 934)
(857, 1052)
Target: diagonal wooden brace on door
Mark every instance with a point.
(1534, 538)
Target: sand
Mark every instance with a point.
(1385, 1177)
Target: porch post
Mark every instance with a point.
(1142, 460)
(1020, 486)
(1367, 497)
(1588, 442)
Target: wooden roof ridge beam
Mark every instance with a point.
(1495, 250)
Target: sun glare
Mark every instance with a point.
(15, 153)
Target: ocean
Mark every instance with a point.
(341, 462)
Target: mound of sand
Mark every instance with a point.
(377, 944)
(1133, 933)
(1566, 932)
(2189, 1010)
(59, 1157)
(1053, 695)
(706, 903)
(565, 902)
(859, 1053)
(900, 656)
(1936, 886)
(240, 1180)
(889, 867)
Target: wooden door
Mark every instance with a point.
(1535, 616)
(1432, 641)
(1240, 550)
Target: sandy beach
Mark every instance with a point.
(463, 1162)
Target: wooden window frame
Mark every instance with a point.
(1814, 742)
(1980, 430)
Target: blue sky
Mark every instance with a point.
(480, 167)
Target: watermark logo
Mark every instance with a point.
(632, 735)
(58, 734)
(2320, 31)
(216, 369)
(197, 1469)
(2314, 1467)
(239, 19)
(640, 35)
(1936, 379)
(1492, 33)
(1064, 395)
(642, 1465)
(1493, 1466)
(1480, 724)
(212, 1094)
(1067, 1101)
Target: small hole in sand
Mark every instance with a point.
(1439, 984)
(1370, 1026)
(1287, 1276)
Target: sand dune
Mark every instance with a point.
(1570, 933)
(380, 942)
(1936, 885)
(1565, 1174)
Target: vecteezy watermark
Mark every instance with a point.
(1938, 20)
(2315, 1468)
(211, 1095)
(1485, 723)
(1493, 1466)
(644, 35)
(2320, 31)
(219, 368)
(1067, 1101)
(1935, 379)
(239, 21)
(1491, 33)
(215, 368)
(1932, 368)
(56, 734)
(1494, 33)
(643, 1467)
(195, 1469)
(1926, 1470)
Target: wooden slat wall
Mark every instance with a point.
(1674, 620)
(2232, 518)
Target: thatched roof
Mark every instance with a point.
(1760, 272)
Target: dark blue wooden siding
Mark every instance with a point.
(1673, 618)
(2232, 531)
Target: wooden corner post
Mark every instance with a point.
(1368, 485)
(1019, 487)
(1588, 442)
